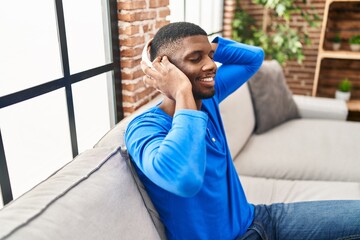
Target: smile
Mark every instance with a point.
(208, 79)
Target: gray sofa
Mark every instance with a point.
(98, 196)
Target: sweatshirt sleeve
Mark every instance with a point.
(238, 63)
(170, 154)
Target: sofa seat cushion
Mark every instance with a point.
(93, 197)
(304, 149)
(267, 190)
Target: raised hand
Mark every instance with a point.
(166, 77)
(170, 81)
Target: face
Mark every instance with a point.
(195, 59)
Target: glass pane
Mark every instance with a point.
(217, 15)
(29, 46)
(193, 11)
(211, 15)
(93, 107)
(85, 34)
(36, 139)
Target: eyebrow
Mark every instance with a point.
(199, 52)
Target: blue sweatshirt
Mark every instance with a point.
(184, 161)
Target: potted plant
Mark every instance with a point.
(343, 91)
(336, 42)
(355, 43)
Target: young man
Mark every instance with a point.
(181, 154)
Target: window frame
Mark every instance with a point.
(66, 82)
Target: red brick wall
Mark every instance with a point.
(300, 77)
(229, 8)
(138, 21)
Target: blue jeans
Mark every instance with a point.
(306, 220)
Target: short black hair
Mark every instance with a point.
(167, 37)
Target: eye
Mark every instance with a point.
(195, 59)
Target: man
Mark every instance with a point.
(180, 150)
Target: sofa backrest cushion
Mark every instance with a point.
(115, 137)
(238, 118)
(304, 149)
(155, 217)
(93, 197)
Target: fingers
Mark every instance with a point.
(149, 82)
(154, 73)
(147, 79)
(158, 65)
(165, 60)
(151, 70)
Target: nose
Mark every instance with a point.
(209, 65)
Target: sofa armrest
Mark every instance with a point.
(319, 107)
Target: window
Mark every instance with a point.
(60, 69)
(208, 14)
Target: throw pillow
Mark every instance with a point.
(271, 97)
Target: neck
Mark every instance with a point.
(168, 106)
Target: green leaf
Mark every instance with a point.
(280, 42)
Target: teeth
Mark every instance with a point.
(207, 79)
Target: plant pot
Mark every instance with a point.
(342, 95)
(355, 47)
(336, 46)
